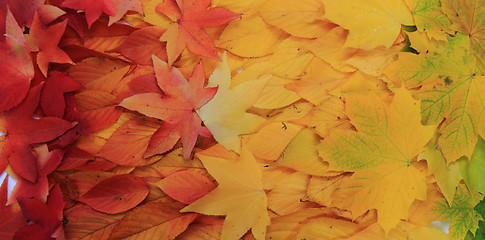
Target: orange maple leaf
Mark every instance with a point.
(190, 17)
(177, 109)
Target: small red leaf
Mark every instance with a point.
(116, 194)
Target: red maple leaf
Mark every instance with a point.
(46, 164)
(44, 40)
(52, 98)
(22, 131)
(190, 17)
(176, 108)
(12, 219)
(24, 10)
(15, 65)
(92, 8)
(44, 218)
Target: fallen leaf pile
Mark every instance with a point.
(255, 119)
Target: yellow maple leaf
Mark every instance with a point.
(371, 23)
(240, 195)
(380, 154)
(225, 115)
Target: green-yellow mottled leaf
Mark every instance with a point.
(461, 213)
(467, 16)
(451, 89)
(380, 153)
(428, 17)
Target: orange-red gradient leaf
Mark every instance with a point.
(154, 220)
(186, 186)
(116, 194)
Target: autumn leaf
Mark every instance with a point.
(190, 17)
(98, 108)
(269, 142)
(287, 196)
(250, 37)
(239, 195)
(448, 76)
(314, 126)
(122, 7)
(301, 19)
(44, 40)
(3, 193)
(301, 154)
(84, 222)
(429, 17)
(52, 98)
(164, 221)
(481, 224)
(225, 115)
(186, 186)
(12, 218)
(173, 162)
(208, 228)
(116, 194)
(45, 218)
(466, 17)
(177, 109)
(327, 228)
(133, 137)
(47, 162)
(370, 23)
(23, 11)
(287, 226)
(380, 153)
(461, 213)
(472, 169)
(92, 8)
(22, 131)
(447, 176)
(15, 64)
(141, 44)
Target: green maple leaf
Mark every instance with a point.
(461, 213)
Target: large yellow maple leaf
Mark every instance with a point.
(371, 23)
(380, 154)
(240, 194)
